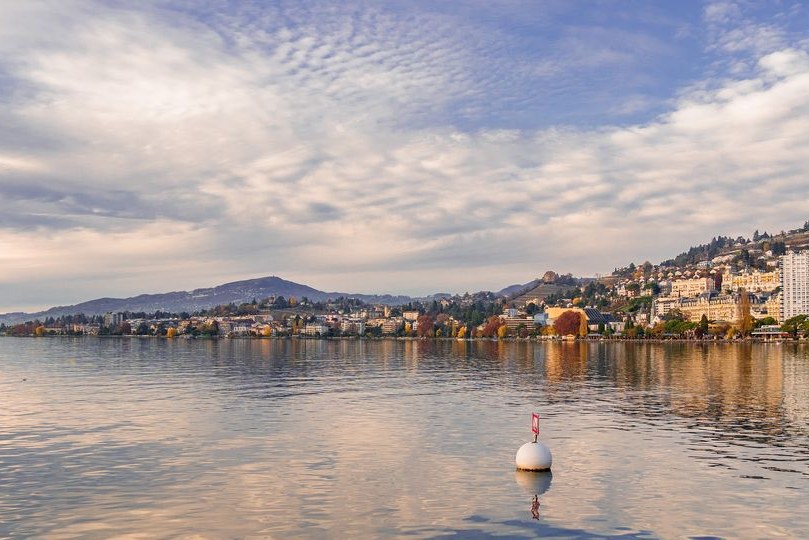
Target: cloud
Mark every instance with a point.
(722, 12)
(356, 145)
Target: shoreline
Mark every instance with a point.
(797, 340)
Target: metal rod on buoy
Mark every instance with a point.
(534, 456)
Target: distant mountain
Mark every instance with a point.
(236, 292)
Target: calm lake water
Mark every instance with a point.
(151, 438)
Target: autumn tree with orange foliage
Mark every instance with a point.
(425, 326)
(493, 323)
(567, 323)
(745, 318)
(583, 328)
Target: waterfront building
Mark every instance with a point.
(113, 319)
(353, 326)
(594, 317)
(514, 323)
(715, 306)
(225, 326)
(555, 312)
(794, 284)
(315, 329)
(392, 325)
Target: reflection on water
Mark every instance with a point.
(536, 483)
(244, 438)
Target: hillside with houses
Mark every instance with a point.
(726, 288)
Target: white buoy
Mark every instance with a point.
(534, 456)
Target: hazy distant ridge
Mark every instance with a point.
(237, 292)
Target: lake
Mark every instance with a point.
(157, 438)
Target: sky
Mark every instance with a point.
(391, 146)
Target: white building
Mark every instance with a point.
(315, 329)
(113, 319)
(692, 287)
(794, 284)
(663, 304)
(752, 281)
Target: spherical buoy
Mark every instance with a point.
(534, 456)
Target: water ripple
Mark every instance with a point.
(238, 438)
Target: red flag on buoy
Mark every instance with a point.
(534, 423)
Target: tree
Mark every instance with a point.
(583, 329)
(745, 319)
(523, 331)
(678, 327)
(501, 331)
(653, 288)
(210, 328)
(567, 323)
(493, 323)
(297, 324)
(425, 326)
(796, 325)
(702, 328)
(39, 331)
(719, 330)
(765, 321)
(171, 332)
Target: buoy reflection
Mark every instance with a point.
(535, 483)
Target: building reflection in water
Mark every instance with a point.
(730, 393)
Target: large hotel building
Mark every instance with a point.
(795, 284)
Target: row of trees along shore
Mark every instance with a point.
(470, 316)
(570, 323)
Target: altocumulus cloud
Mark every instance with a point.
(384, 147)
